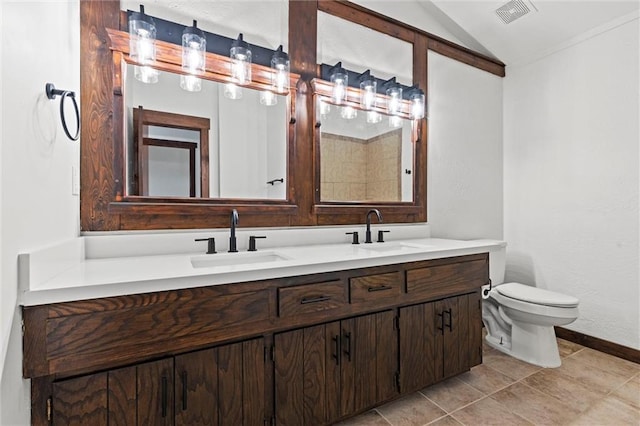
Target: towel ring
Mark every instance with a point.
(52, 92)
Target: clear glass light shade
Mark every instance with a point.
(373, 117)
(194, 46)
(348, 112)
(190, 83)
(394, 103)
(281, 66)
(268, 98)
(232, 91)
(145, 74)
(142, 46)
(395, 121)
(417, 106)
(340, 82)
(368, 94)
(325, 108)
(240, 55)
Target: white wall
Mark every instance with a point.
(464, 186)
(37, 206)
(571, 179)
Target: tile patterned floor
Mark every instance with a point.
(590, 388)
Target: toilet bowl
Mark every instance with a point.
(519, 319)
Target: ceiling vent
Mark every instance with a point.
(513, 10)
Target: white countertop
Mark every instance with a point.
(69, 280)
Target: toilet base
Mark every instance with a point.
(535, 344)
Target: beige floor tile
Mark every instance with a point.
(567, 348)
(564, 388)
(446, 421)
(511, 366)
(370, 418)
(596, 378)
(629, 393)
(452, 394)
(488, 412)
(486, 379)
(614, 365)
(412, 410)
(534, 405)
(609, 411)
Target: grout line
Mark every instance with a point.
(383, 417)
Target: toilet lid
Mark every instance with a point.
(536, 295)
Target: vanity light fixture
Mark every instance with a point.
(232, 91)
(417, 99)
(373, 117)
(142, 46)
(368, 90)
(395, 121)
(240, 55)
(268, 98)
(394, 92)
(194, 46)
(340, 80)
(281, 66)
(348, 112)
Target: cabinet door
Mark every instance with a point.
(155, 392)
(241, 384)
(307, 375)
(452, 319)
(196, 388)
(80, 401)
(369, 361)
(419, 353)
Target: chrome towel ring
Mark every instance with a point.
(52, 92)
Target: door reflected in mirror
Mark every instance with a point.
(242, 156)
(365, 156)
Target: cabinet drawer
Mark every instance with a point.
(445, 280)
(308, 298)
(376, 287)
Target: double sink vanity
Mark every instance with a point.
(287, 334)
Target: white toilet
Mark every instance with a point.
(519, 318)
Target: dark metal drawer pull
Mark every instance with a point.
(306, 300)
(381, 288)
(164, 396)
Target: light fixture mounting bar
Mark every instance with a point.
(354, 81)
(171, 32)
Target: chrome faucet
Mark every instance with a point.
(367, 239)
(232, 239)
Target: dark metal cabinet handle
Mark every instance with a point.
(347, 338)
(380, 288)
(450, 325)
(164, 396)
(441, 328)
(184, 390)
(336, 355)
(306, 300)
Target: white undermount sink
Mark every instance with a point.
(391, 246)
(232, 259)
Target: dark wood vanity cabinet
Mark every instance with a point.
(312, 349)
(334, 370)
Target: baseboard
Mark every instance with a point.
(601, 345)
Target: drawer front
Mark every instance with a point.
(308, 298)
(445, 280)
(376, 287)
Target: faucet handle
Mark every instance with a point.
(354, 240)
(381, 236)
(252, 242)
(211, 244)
